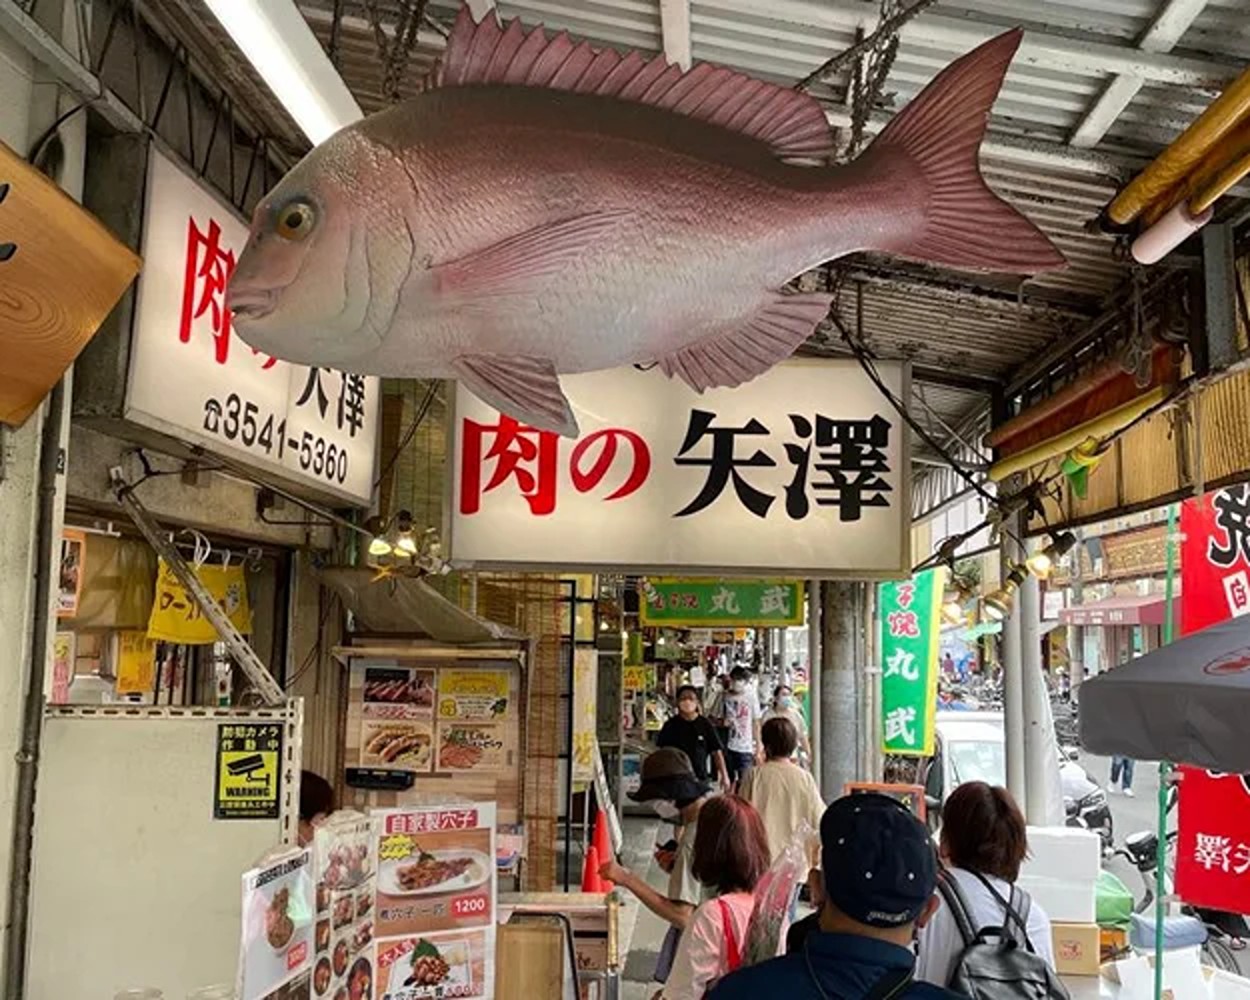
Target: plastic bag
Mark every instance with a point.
(1114, 902)
(774, 899)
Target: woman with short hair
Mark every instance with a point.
(784, 794)
(983, 844)
(730, 857)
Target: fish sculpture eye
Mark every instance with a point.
(295, 221)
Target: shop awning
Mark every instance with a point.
(1123, 610)
(398, 605)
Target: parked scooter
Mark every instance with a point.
(1188, 929)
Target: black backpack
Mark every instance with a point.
(998, 963)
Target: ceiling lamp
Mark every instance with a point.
(378, 543)
(1042, 563)
(998, 604)
(957, 595)
(282, 48)
(405, 542)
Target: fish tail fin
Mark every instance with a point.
(965, 224)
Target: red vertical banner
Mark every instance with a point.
(1213, 836)
(1213, 845)
(1215, 558)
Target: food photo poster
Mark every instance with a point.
(275, 954)
(436, 902)
(346, 864)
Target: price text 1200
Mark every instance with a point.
(242, 421)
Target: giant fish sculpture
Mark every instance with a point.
(546, 207)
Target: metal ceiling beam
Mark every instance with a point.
(1172, 21)
(967, 29)
(675, 23)
(54, 57)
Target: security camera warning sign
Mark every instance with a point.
(249, 771)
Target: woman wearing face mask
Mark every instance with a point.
(669, 784)
(730, 857)
(695, 736)
(786, 707)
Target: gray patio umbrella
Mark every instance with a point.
(1188, 702)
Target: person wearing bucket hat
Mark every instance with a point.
(669, 785)
(879, 878)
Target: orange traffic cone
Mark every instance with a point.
(602, 842)
(591, 882)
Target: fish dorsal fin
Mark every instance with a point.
(791, 123)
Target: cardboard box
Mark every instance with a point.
(1077, 949)
(1112, 943)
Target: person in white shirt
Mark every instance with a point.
(741, 714)
(784, 794)
(730, 857)
(784, 706)
(983, 837)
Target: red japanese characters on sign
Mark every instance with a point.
(209, 265)
(1215, 558)
(508, 450)
(903, 624)
(426, 822)
(1213, 842)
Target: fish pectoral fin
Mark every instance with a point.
(737, 355)
(527, 389)
(513, 265)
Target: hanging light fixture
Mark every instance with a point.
(998, 604)
(1042, 562)
(405, 542)
(378, 544)
(957, 595)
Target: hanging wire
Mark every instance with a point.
(422, 409)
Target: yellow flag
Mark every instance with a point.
(176, 617)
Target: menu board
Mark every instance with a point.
(275, 956)
(453, 720)
(397, 727)
(473, 695)
(346, 866)
(436, 902)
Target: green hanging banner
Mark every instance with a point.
(910, 613)
(708, 602)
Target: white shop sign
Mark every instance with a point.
(192, 377)
(802, 471)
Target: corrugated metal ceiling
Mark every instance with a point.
(961, 328)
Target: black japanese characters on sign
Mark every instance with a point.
(1232, 516)
(350, 409)
(7, 250)
(249, 771)
(241, 421)
(847, 471)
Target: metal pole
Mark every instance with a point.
(1076, 633)
(839, 739)
(47, 552)
(783, 656)
(1013, 683)
(1036, 711)
(1165, 769)
(813, 674)
(872, 681)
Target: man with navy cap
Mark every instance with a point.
(880, 873)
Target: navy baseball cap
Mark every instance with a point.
(879, 864)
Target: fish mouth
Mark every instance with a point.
(249, 303)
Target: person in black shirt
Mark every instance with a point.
(695, 736)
